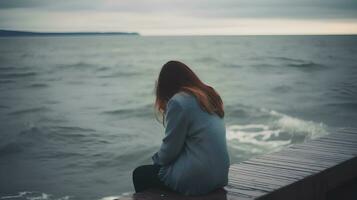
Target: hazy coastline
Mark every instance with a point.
(14, 33)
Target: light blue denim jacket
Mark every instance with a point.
(193, 153)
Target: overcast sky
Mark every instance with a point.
(180, 17)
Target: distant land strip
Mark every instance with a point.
(11, 33)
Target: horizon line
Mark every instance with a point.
(297, 34)
(173, 35)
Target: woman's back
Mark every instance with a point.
(199, 161)
(193, 157)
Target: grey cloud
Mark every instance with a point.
(6, 4)
(203, 8)
(278, 8)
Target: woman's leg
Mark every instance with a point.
(145, 177)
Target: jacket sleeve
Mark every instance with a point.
(175, 134)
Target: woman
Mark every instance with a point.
(193, 157)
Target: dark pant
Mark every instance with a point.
(146, 176)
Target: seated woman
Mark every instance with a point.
(193, 157)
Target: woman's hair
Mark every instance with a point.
(174, 77)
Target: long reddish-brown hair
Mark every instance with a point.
(174, 77)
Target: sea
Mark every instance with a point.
(77, 115)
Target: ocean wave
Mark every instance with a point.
(298, 63)
(22, 142)
(282, 89)
(103, 69)
(346, 105)
(246, 114)
(263, 65)
(73, 129)
(143, 111)
(309, 129)
(277, 131)
(12, 68)
(11, 148)
(36, 137)
(141, 154)
(58, 133)
(38, 85)
(118, 197)
(63, 134)
(347, 89)
(3, 82)
(78, 65)
(207, 59)
(119, 74)
(4, 107)
(310, 65)
(6, 68)
(33, 195)
(17, 75)
(232, 65)
(29, 111)
(62, 154)
(281, 58)
(26, 55)
(32, 133)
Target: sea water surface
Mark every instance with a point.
(76, 113)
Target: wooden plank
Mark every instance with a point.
(275, 172)
(347, 131)
(339, 139)
(331, 156)
(269, 174)
(278, 168)
(326, 149)
(339, 142)
(335, 143)
(329, 145)
(248, 193)
(343, 136)
(334, 140)
(259, 183)
(282, 167)
(296, 166)
(234, 194)
(299, 159)
(259, 180)
(250, 185)
(317, 156)
(268, 170)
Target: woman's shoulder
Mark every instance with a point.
(184, 99)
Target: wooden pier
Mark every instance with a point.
(320, 169)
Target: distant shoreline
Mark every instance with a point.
(15, 33)
(12, 33)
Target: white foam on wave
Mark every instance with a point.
(295, 125)
(279, 131)
(28, 195)
(125, 194)
(43, 196)
(20, 194)
(257, 136)
(111, 198)
(33, 195)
